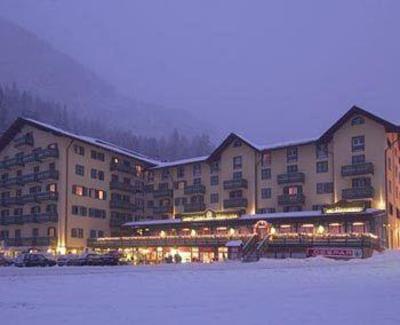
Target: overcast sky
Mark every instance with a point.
(271, 70)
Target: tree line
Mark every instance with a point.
(15, 102)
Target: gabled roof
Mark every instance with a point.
(175, 163)
(389, 127)
(13, 130)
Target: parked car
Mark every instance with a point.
(67, 260)
(110, 259)
(89, 259)
(4, 261)
(31, 260)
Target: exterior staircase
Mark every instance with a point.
(249, 251)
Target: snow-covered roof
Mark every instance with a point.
(275, 146)
(181, 162)
(97, 142)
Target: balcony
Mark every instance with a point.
(120, 167)
(29, 178)
(162, 193)
(31, 241)
(48, 217)
(119, 221)
(291, 199)
(366, 192)
(39, 197)
(8, 201)
(289, 178)
(194, 207)
(195, 189)
(25, 140)
(36, 156)
(122, 205)
(121, 186)
(167, 209)
(235, 184)
(235, 203)
(358, 169)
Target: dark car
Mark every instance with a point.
(67, 260)
(31, 260)
(89, 259)
(110, 259)
(4, 261)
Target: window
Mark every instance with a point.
(97, 155)
(235, 194)
(150, 204)
(180, 172)
(324, 188)
(357, 121)
(93, 233)
(266, 159)
(197, 181)
(292, 154)
(237, 143)
(292, 169)
(51, 188)
(214, 167)
(266, 193)
(97, 174)
(35, 210)
(196, 170)
(293, 190)
(358, 143)
(237, 175)
(100, 194)
(398, 213)
(391, 209)
(358, 159)
(321, 150)
(35, 189)
(150, 176)
(237, 162)
(77, 233)
(266, 173)
(79, 190)
(214, 198)
(322, 167)
(79, 150)
(214, 180)
(80, 170)
(35, 232)
(165, 174)
(52, 166)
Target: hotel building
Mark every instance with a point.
(64, 192)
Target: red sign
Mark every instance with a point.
(335, 252)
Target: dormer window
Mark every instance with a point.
(358, 120)
(237, 143)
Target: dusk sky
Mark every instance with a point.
(271, 70)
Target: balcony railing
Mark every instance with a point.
(25, 140)
(121, 186)
(358, 169)
(36, 156)
(30, 241)
(8, 201)
(366, 192)
(289, 178)
(234, 184)
(122, 205)
(291, 199)
(194, 207)
(162, 193)
(235, 203)
(29, 198)
(120, 167)
(167, 209)
(30, 178)
(169, 241)
(48, 217)
(119, 221)
(195, 189)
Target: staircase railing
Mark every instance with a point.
(249, 249)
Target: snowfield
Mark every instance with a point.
(312, 291)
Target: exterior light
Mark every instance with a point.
(273, 231)
(61, 250)
(320, 229)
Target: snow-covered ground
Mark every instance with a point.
(312, 291)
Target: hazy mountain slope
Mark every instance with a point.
(36, 66)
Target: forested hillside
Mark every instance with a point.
(15, 102)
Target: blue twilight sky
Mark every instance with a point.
(271, 70)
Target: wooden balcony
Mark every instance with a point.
(39, 197)
(291, 199)
(166, 209)
(235, 184)
(194, 207)
(358, 169)
(120, 167)
(290, 178)
(121, 186)
(162, 193)
(37, 156)
(29, 178)
(235, 203)
(195, 189)
(354, 193)
(122, 205)
(25, 140)
(39, 218)
(30, 242)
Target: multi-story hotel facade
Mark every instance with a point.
(346, 181)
